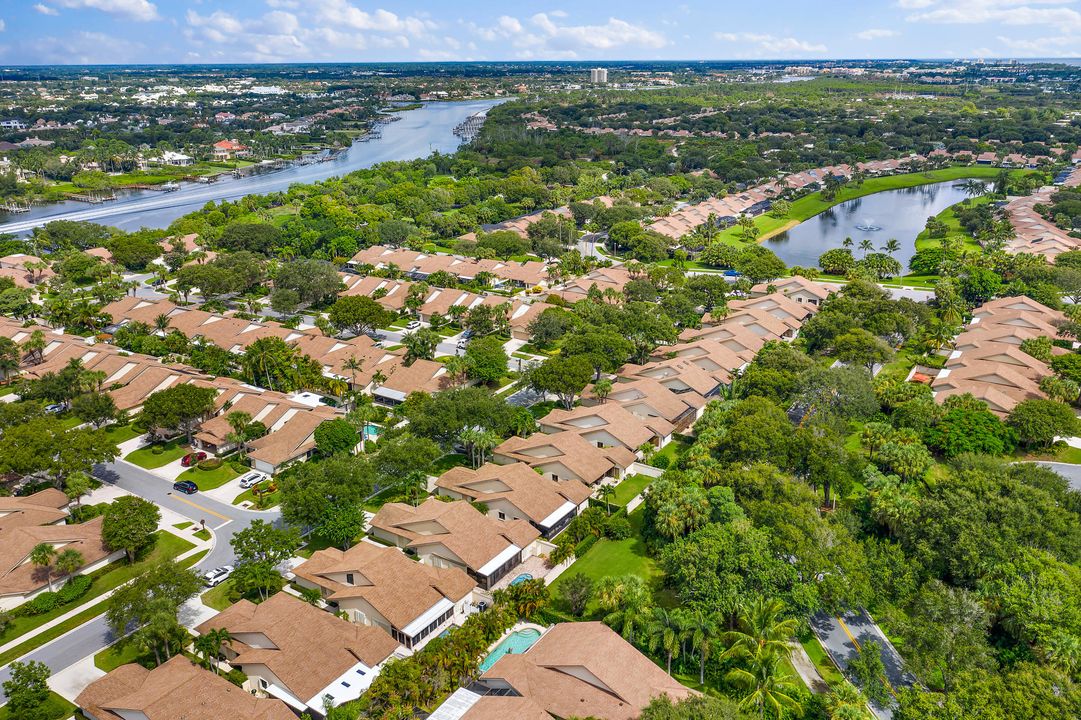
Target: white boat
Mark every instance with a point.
(170, 187)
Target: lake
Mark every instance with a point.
(418, 134)
(899, 214)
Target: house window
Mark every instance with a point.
(263, 684)
(502, 515)
(349, 578)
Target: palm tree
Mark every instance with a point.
(847, 243)
(68, 562)
(664, 631)
(767, 686)
(702, 631)
(416, 484)
(845, 702)
(9, 358)
(485, 440)
(43, 556)
(210, 646)
(866, 246)
(602, 389)
(761, 629)
(353, 365)
(891, 246)
(34, 347)
(161, 323)
(605, 493)
(238, 420)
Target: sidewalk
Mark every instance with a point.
(16, 642)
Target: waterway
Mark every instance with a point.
(418, 134)
(898, 214)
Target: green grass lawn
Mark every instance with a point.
(121, 433)
(673, 450)
(184, 525)
(114, 656)
(1062, 453)
(451, 460)
(216, 597)
(106, 579)
(616, 558)
(629, 487)
(145, 458)
(822, 662)
(249, 496)
(203, 535)
(948, 216)
(209, 479)
(55, 708)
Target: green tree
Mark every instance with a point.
(27, 690)
(869, 672)
(181, 407)
(259, 549)
(358, 314)
(420, 345)
(336, 436)
(342, 524)
(76, 485)
(150, 604)
(767, 688)
(576, 591)
(486, 360)
(43, 555)
(94, 408)
(563, 377)
(859, 347)
(129, 524)
(1038, 422)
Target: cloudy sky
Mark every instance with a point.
(171, 31)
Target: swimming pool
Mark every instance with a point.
(524, 577)
(371, 432)
(514, 644)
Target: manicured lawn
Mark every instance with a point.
(452, 460)
(822, 662)
(948, 216)
(203, 534)
(121, 433)
(217, 597)
(629, 487)
(55, 708)
(616, 558)
(110, 577)
(184, 525)
(145, 458)
(248, 496)
(673, 450)
(114, 656)
(1062, 453)
(209, 479)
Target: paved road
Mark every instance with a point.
(224, 520)
(1071, 472)
(844, 636)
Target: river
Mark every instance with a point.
(418, 134)
(898, 214)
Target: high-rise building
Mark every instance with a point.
(598, 76)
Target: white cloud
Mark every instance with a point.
(3, 25)
(1006, 12)
(544, 35)
(876, 34)
(771, 46)
(341, 13)
(132, 9)
(1054, 46)
(46, 10)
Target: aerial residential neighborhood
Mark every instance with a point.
(453, 362)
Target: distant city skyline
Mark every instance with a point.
(216, 31)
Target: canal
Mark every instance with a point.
(898, 214)
(418, 134)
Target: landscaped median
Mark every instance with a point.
(167, 547)
(148, 458)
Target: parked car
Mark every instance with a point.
(55, 408)
(217, 576)
(193, 458)
(463, 344)
(412, 325)
(186, 486)
(251, 479)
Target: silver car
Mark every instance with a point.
(251, 479)
(217, 576)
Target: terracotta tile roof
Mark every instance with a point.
(176, 690)
(473, 537)
(583, 669)
(309, 648)
(19, 576)
(42, 508)
(535, 496)
(399, 588)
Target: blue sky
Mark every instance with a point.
(171, 31)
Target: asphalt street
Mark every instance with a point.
(1072, 473)
(223, 520)
(844, 637)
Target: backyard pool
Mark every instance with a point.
(516, 643)
(371, 432)
(524, 577)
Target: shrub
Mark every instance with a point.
(41, 604)
(82, 513)
(210, 464)
(157, 449)
(74, 589)
(238, 466)
(236, 677)
(661, 461)
(618, 528)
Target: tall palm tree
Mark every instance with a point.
(68, 562)
(353, 365)
(486, 440)
(703, 630)
(664, 631)
(845, 702)
(605, 493)
(43, 556)
(762, 629)
(847, 243)
(866, 246)
(161, 323)
(34, 347)
(767, 687)
(891, 246)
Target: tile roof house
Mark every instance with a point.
(456, 535)
(301, 654)
(176, 690)
(20, 579)
(647, 398)
(608, 424)
(382, 587)
(567, 456)
(517, 492)
(581, 669)
(796, 287)
(45, 507)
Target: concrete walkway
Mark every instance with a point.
(807, 670)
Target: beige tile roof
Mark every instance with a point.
(19, 576)
(584, 670)
(398, 587)
(309, 648)
(473, 537)
(570, 449)
(630, 429)
(648, 397)
(42, 508)
(535, 496)
(176, 690)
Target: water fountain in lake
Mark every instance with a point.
(868, 225)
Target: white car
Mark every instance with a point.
(217, 576)
(412, 325)
(250, 480)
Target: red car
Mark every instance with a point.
(193, 459)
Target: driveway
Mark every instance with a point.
(844, 636)
(223, 519)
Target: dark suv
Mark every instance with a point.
(185, 486)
